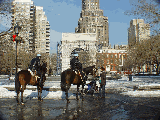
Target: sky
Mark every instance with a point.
(63, 17)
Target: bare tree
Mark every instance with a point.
(145, 52)
(53, 63)
(147, 10)
(85, 59)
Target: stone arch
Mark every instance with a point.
(72, 42)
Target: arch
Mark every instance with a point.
(76, 51)
(74, 43)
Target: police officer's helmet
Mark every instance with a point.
(38, 55)
(75, 55)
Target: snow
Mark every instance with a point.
(142, 93)
(5, 93)
(123, 85)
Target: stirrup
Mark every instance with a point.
(36, 77)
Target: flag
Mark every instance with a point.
(14, 36)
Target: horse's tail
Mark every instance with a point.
(63, 82)
(17, 83)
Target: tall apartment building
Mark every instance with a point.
(23, 13)
(92, 21)
(138, 31)
(42, 37)
(34, 26)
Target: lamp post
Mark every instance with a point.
(17, 38)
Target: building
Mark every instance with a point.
(111, 59)
(35, 29)
(42, 37)
(75, 43)
(138, 31)
(23, 13)
(92, 21)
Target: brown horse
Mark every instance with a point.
(69, 77)
(24, 77)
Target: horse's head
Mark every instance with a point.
(44, 67)
(91, 70)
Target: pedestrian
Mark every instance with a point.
(102, 83)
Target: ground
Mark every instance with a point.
(121, 102)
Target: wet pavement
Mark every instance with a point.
(113, 107)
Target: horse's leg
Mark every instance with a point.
(41, 87)
(22, 90)
(40, 92)
(82, 91)
(77, 92)
(38, 89)
(17, 87)
(17, 99)
(67, 96)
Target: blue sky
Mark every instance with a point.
(63, 16)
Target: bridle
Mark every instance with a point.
(94, 70)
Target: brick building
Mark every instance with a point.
(111, 59)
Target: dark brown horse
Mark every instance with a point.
(24, 77)
(69, 77)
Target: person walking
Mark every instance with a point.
(102, 83)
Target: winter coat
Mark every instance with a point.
(35, 64)
(75, 64)
(103, 78)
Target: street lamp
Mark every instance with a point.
(17, 39)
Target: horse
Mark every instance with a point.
(69, 77)
(24, 77)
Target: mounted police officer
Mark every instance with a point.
(35, 65)
(76, 65)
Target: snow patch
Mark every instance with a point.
(142, 93)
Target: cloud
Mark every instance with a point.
(54, 38)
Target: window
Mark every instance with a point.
(107, 55)
(107, 61)
(115, 55)
(111, 67)
(111, 61)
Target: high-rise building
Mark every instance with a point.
(92, 21)
(34, 26)
(23, 13)
(42, 44)
(138, 31)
